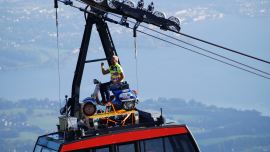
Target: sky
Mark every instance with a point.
(28, 60)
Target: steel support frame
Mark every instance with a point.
(109, 50)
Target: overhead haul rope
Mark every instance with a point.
(204, 41)
(58, 52)
(136, 60)
(225, 48)
(205, 50)
(210, 43)
(256, 69)
(203, 54)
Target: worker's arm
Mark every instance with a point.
(104, 71)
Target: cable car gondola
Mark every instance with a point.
(84, 128)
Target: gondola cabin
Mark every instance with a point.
(171, 138)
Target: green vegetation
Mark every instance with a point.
(215, 129)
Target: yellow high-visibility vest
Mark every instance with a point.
(115, 71)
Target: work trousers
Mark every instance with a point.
(105, 91)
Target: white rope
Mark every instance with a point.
(58, 58)
(136, 59)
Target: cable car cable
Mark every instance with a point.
(210, 43)
(260, 75)
(202, 53)
(211, 52)
(58, 51)
(225, 48)
(136, 60)
(137, 24)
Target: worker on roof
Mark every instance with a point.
(117, 76)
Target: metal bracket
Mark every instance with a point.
(137, 24)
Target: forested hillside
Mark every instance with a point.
(215, 129)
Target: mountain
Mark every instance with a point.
(215, 129)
